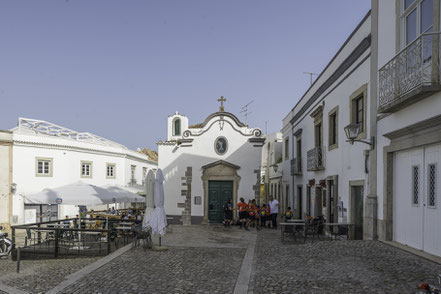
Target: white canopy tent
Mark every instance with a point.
(80, 193)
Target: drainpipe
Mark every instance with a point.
(371, 204)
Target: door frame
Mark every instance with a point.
(220, 171)
(421, 134)
(356, 183)
(334, 179)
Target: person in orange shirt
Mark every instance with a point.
(256, 217)
(243, 212)
(262, 214)
(268, 216)
(251, 212)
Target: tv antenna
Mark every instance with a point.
(310, 75)
(245, 110)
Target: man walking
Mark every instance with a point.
(274, 209)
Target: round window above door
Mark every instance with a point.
(221, 145)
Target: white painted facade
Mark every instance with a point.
(66, 155)
(6, 186)
(194, 148)
(399, 178)
(409, 127)
(271, 170)
(320, 188)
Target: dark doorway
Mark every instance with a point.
(308, 200)
(219, 192)
(357, 211)
(299, 202)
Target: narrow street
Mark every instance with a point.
(212, 259)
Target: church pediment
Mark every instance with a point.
(222, 119)
(220, 162)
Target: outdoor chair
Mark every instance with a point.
(141, 235)
(314, 228)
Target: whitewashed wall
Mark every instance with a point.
(4, 176)
(347, 161)
(173, 160)
(66, 163)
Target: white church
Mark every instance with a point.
(207, 164)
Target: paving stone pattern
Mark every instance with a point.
(336, 267)
(178, 270)
(39, 276)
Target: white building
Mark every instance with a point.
(6, 187)
(206, 164)
(329, 174)
(386, 77)
(48, 156)
(409, 122)
(271, 170)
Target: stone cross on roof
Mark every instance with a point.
(221, 100)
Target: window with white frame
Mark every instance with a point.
(110, 170)
(144, 174)
(86, 169)
(177, 127)
(43, 167)
(132, 174)
(416, 19)
(333, 128)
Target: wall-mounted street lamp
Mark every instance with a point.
(275, 167)
(353, 130)
(13, 188)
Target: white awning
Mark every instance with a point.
(83, 194)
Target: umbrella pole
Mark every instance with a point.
(159, 241)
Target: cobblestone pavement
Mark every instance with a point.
(178, 270)
(39, 276)
(208, 259)
(336, 267)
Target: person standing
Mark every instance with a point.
(274, 210)
(243, 213)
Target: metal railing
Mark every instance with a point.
(415, 66)
(316, 159)
(60, 238)
(296, 167)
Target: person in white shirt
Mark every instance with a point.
(274, 210)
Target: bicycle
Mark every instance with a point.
(426, 288)
(5, 243)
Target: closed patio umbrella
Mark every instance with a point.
(149, 198)
(158, 221)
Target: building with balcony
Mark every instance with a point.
(383, 89)
(409, 123)
(272, 169)
(328, 174)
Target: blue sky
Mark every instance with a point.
(119, 68)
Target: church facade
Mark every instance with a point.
(207, 164)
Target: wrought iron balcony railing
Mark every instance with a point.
(316, 159)
(413, 74)
(296, 167)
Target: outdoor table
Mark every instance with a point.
(347, 225)
(295, 220)
(295, 225)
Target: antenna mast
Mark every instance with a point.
(245, 110)
(310, 75)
